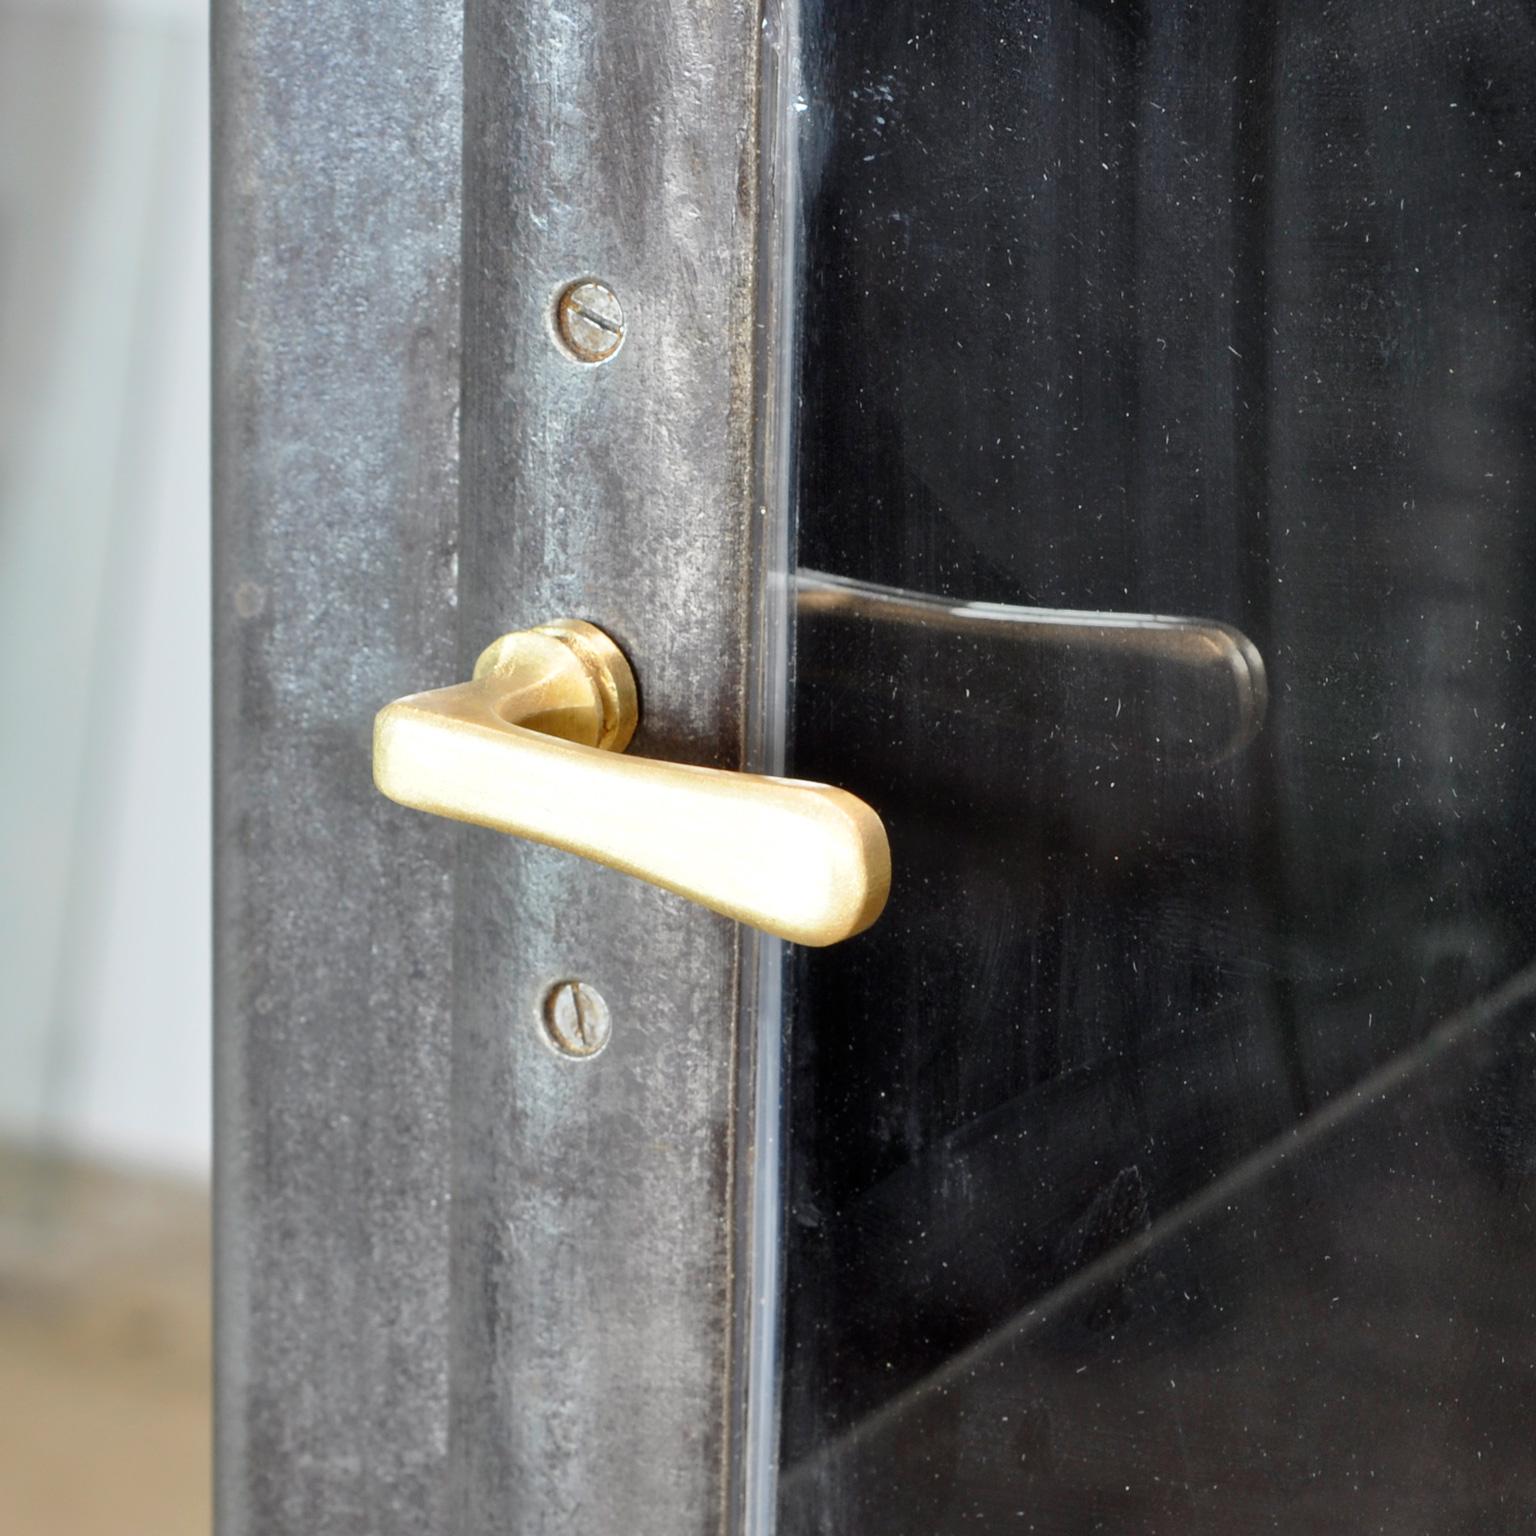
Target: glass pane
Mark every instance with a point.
(1162, 1160)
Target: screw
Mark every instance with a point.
(591, 321)
(576, 1019)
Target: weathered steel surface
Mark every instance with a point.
(592, 1210)
(337, 153)
(570, 1367)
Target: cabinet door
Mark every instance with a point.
(1094, 435)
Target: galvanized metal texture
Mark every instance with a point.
(593, 1201)
(337, 155)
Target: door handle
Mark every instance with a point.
(533, 745)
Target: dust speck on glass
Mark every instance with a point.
(1163, 1160)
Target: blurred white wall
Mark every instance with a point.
(104, 794)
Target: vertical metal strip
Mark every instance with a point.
(593, 1201)
(336, 325)
(760, 1160)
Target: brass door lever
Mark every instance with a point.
(534, 746)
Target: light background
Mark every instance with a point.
(104, 633)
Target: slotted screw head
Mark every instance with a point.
(590, 320)
(576, 1019)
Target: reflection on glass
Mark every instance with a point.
(1138, 682)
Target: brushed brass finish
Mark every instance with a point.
(533, 747)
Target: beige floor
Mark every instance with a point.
(104, 1353)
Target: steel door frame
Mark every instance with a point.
(463, 1283)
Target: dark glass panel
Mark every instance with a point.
(1218, 311)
